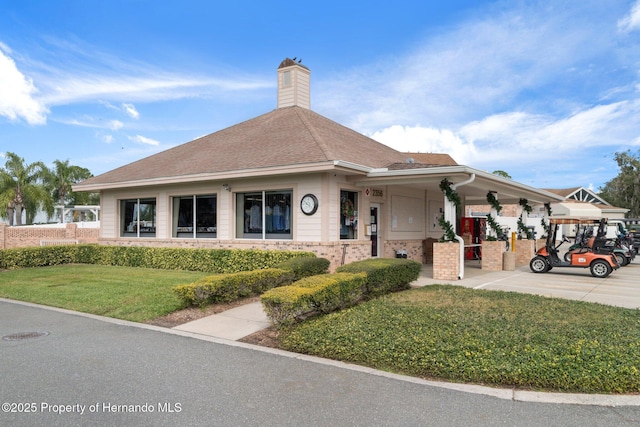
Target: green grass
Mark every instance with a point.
(484, 337)
(438, 332)
(136, 294)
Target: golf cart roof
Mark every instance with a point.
(575, 220)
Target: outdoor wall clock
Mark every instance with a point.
(309, 204)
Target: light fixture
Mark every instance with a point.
(226, 187)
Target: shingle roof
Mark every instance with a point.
(285, 136)
(426, 160)
(564, 192)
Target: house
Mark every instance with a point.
(290, 179)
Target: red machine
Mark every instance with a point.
(473, 231)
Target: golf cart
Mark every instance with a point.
(595, 255)
(584, 233)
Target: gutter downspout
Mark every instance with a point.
(472, 178)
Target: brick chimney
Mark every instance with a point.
(293, 84)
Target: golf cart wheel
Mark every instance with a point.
(539, 264)
(622, 260)
(600, 268)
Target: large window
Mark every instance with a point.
(138, 218)
(195, 216)
(264, 215)
(348, 214)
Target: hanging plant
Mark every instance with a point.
(544, 224)
(495, 204)
(523, 228)
(453, 197)
(449, 234)
(525, 205)
(494, 226)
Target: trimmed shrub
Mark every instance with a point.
(312, 295)
(385, 275)
(209, 260)
(305, 266)
(11, 259)
(232, 286)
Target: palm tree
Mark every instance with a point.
(62, 178)
(21, 189)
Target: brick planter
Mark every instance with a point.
(524, 251)
(492, 255)
(446, 261)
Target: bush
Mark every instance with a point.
(305, 266)
(232, 286)
(312, 295)
(43, 256)
(209, 260)
(385, 275)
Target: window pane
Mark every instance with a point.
(138, 218)
(278, 214)
(147, 219)
(205, 211)
(249, 215)
(348, 215)
(206, 216)
(272, 223)
(129, 221)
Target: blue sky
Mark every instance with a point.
(545, 90)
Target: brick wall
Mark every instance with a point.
(492, 255)
(20, 237)
(413, 248)
(446, 261)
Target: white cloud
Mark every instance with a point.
(427, 140)
(144, 140)
(632, 20)
(115, 124)
(17, 100)
(518, 142)
(130, 109)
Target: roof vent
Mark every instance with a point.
(409, 160)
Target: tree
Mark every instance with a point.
(62, 177)
(21, 189)
(501, 173)
(624, 190)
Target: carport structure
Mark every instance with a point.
(472, 185)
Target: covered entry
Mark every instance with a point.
(410, 187)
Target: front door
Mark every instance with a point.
(375, 234)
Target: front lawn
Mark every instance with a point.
(485, 337)
(136, 294)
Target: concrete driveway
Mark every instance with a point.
(621, 288)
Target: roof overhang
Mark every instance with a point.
(333, 166)
(507, 191)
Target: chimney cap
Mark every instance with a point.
(288, 62)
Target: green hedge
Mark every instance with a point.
(305, 266)
(232, 286)
(385, 275)
(11, 259)
(209, 260)
(312, 295)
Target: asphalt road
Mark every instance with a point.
(119, 373)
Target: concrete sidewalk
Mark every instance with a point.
(232, 324)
